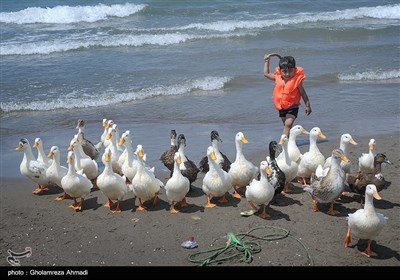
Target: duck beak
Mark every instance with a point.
(353, 142)
(376, 195)
(321, 135)
(213, 156)
(344, 158)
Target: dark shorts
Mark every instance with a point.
(292, 111)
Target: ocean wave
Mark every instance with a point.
(86, 42)
(132, 36)
(370, 76)
(77, 100)
(76, 14)
(68, 14)
(389, 12)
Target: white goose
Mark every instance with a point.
(242, 171)
(74, 184)
(177, 186)
(145, 185)
(345, 140)
(31, 168)
(293, 150)
(366, 223)
(216, 182)
(310, 160)
(112, 185)
(366, 161)
(56, 171)
(260, 192)
(286, 164)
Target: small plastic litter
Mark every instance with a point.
(190, 243)
(247, 213)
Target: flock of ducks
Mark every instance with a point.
(125, 171)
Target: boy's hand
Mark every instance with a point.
(308, 110)
(266, 57)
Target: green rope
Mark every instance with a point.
(244, 245)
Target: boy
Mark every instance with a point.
(288, 89)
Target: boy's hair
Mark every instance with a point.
(287, 62)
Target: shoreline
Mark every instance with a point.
(60, 236)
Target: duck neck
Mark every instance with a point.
(181, 151)
(214, 167)
(377, 167)
(343, 147)
(41, 155)
(369, 204)
(313, 143)
(71, 169)
(214, 144)
(177, 171)
(108, 168)
(239, 150)
(28, 155)
(285, 153)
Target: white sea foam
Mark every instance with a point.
(75, 100)
(370, 76)
(86, 41)
(379, 12)
(68, 14)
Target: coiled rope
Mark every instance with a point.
(244, 245)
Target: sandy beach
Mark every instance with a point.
(59, 236)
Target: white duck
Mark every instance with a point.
(260, 192)
(116, 152)
(285, 163)
(293, 150)
(74, 184)
(242, 171)
(366, 223)
(38, 144)
(345, 140)
(327, 188)
(56, 171)
(106, 126)
(366, 161)
(145, 185)
(310, 160)
(131, 164)
(216, 181)
(112, 185)
(177, 186)
(88, 165)
(31, 168)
